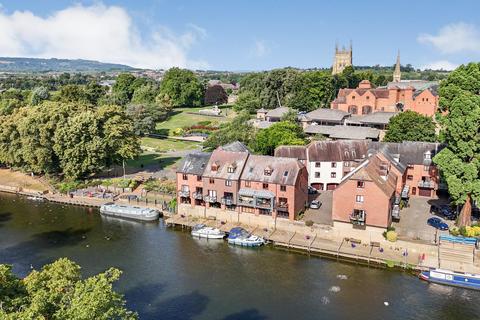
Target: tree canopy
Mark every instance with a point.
(215, 95)
(280, 133)
(59, 292)
(410, 126)
(459, 161)
(182, 87)
(237, 130)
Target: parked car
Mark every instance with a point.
(443, 210)
(315, 204)
(437, 223)
(312, 190)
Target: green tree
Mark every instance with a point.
(312, 90)
(59, 292)
(183, 88)
(215, 95)
(280, 133)
(39, 94)
(247, 101)
(410, 126)
(239, 129)
(123, 88)
(459, 161)
(145, 94)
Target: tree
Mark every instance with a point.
(312, 90)
(39, 95)
(410, 126)
(280, 133)
(459, 161)
(215, 95)
(123, 88)
(59, 292)
(247, 101)
(145, 94)
(183, 88)
(143, 120)
(352, 78)
(239, 129)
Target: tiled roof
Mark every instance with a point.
(278, 112)
(344, 150)
(234, 154)
(380, 117)
(325, 114)
(409, 152)
(283, 170)
(194, 163)
(297, 152)
(235, 146)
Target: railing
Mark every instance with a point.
(245, 202)
(227, 201)
(211, 199)
(282, 207)
(426, 184)
(357, 219)
(264, 205)
(184, 193)
(396, 212)
(198, 195)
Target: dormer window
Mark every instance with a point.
(215, 166)
(285, 174)
(268, 171)
(231, 169)
(427, 155)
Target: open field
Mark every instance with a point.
(168, 145)
(181, 118)
(18, 179)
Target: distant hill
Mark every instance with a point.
(57, 65)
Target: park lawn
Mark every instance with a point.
(181, 118)
(153, 160)
(166, 145)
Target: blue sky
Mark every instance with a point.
(242, 35)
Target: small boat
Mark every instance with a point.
(241, 237)
(129, 212)
(202, 231)
(35, 198)
(451, 278)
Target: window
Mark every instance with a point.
(184, 177)
(212, 181)
(265, 186)
(317, 174)
(248, 210)
(346, 164)
(185, 188)
(282, 201)
(353, 97)
(426, 168)
(361, 184)
(427, 155)
(333, 175)
(247, 184)
(334, 164)
(199, 178)
(267, 171)
(228, 183)
(409, 177)
(214, 166)
(231, 169)
(285, 173)
(317, 164)
(359, 198)
(283, 188)
(426, 99)
(265, 212)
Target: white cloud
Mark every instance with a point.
(440, 65)
(97, 32)
(453, 38)
(260, 49)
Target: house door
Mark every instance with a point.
(424, 192)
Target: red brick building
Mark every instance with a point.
(417, 96)
(232, 179)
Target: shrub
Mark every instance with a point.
(309, 223)
(178, 132)
(204, 123)
(454, 231)
(391, 236)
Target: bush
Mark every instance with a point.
(391, 236)
(178, 132)
(454, 231)
(204, 123)
(309, 223)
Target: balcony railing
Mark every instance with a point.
(228, 201)
(396, 212)
(282, 207)
(184, 193)
(264, 205)
(426, 184)
(246, 202)
(358, 219)
(198, 195)
(211, 199)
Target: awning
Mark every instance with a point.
(256, 193)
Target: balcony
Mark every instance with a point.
(184, 193)
(198, 195)
(358, 218)
(210, 199)
(282, 207)
(264, 204)
(396, 212)
(426, 184)
(228, 201)
(248, 202)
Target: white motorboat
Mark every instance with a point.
(35, 198)
(202, 231)
(240, 237)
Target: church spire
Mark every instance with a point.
(397, 75)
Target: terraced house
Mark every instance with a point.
(233, 180)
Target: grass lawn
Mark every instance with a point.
(19, 179)
(164, 145)
(181, 118)
(147, 159)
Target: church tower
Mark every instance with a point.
(343, 58)
(397, 75)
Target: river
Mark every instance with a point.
(169, 275)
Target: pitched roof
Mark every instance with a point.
(325, 114)
(234, 154)
(409, 152)
(194, 163)
(416, 84)
(235, 146)
(297, 152)
(283, 170)
(278, 112)
(344, 150)
(380, 117)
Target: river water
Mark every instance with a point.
(169, 275)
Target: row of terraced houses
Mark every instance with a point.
(368, 179)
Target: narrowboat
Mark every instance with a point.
(451, 278)
(129, 212)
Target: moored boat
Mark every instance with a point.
(451, 278)
(241, 237)
(35, 198)
(202, 231)
(129, 212)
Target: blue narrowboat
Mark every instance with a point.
(451, 278)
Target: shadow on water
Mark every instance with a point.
(183, 307)
(4, 217)
(250, 314)
(31, 250)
